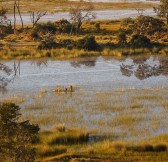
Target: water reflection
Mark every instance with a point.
(41, 63)
(88, 63)
(143, 68)
(8, 74)
(36, 74)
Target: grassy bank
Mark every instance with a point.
(71, 132)
(73, 145)
(53, 6)
(23, 46)
(68, 54)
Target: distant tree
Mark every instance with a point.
(140, 11)
(16, 7)
(81, 12)
(146, 25)
(63, 26)
(4, 21)
(162, 10)
(35, 16)
(3, 17)
(16, 138)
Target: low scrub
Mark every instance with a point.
(139, 41)
(149, 148)
(73, 136)
(46, 151)
(42, 29)
(87, 43)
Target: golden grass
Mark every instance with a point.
(63, 5)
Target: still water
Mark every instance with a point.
(125, 97)
(100, 73)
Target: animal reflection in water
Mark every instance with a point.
(60, 89)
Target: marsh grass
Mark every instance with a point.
(47, 151)
(72, 136)
(124, 113)
(54, 6)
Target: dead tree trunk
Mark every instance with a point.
(14, 14)
(18, 8)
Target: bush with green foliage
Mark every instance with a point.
(16, 138)
(139, 41)
(48, 42)
(146, 25)
(63, 26)
(5, 26)
(160, 148)
(97, 26)
(87, 43)
(122, 39)
(42, 29)
(47, 45)
(68, 43)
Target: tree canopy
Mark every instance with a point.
(162, 10)
(16, 138)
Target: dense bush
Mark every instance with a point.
(42, 29)
(122, 39)
(68, 43)
(97, 26)
(147, 25)
(139, 41)
(160, 148)
(87, 43)
(47, 45)
(63, 26)
(148, 148)
(5, 25)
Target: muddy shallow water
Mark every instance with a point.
(123, 97)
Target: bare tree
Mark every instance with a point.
(17, 6)
(35, 16)
(83, 11)
(140, 11)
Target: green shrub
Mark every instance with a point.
(142, 148)
(68, 43)
(139, 41)
(42, 29)
(45, 150)
(47, 45)
(97, 26)
(63, 26)
(147, 25)
(160, 148)
(87, 43)
(73, 136)
(122, 39)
